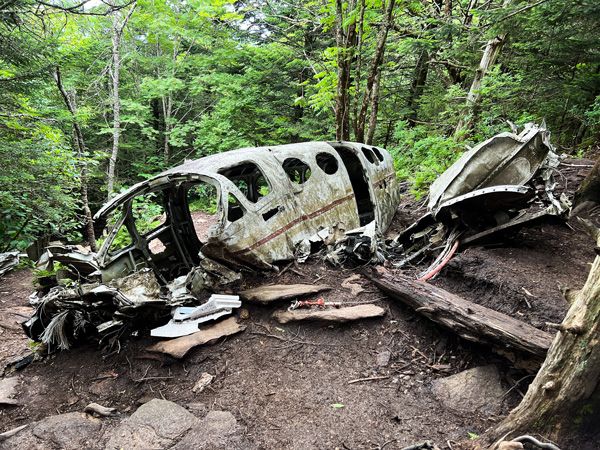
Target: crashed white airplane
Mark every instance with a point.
(268, 201)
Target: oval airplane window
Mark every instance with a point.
(369, 155)
(327, 163)
(297, 171)
(378, 154)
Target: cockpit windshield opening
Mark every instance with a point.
(248, 179)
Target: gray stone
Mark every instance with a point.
(156, 424)
(8, 389)
(477, 389)
(218, 430)
(383, 358)
(71, 431)
(68, 431)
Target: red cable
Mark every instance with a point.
(442, 264)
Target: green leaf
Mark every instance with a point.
(337, 405)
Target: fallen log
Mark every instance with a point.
(469, 320)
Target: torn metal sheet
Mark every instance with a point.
(186, 319)
(8, 261)
(489, 190)
(505, 159)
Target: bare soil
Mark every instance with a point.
(289, 386)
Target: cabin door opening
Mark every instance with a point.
(358, 179)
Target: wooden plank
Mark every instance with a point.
(469, 320)
(179, 347)
(339, 315)
(268, 294)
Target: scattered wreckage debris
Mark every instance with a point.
(8, 261)
(186, 319)
(278, 292)
(269, 201)
(179, 347)
(339, 315)
(469, 320)
(486, 192)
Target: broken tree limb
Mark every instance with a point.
(469, 320)
(339, 315)
(268, 294)
(179, 347)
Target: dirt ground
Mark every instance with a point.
(281, 381)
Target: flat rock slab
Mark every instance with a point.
(218, 430)
(179, 347)
(8, 389)
(477, 389)
(71, 431)
(330, 315)
(267, 294)
(156, 424)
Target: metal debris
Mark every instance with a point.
(273, 204)
(500, 185)
(8, 261)
(186, 319)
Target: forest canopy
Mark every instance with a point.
(98, 95)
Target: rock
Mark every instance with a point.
(383, 358)
(204, 381)
(156, 424)
(8, 389)
(218, 430)
(68, 431)
(510, 446)
(477, 389)
(104, 388)
(244, 314)
(268, 294)
(95, 408)
(354, 288)
(71, 431)
(330, 315)
(179, 347)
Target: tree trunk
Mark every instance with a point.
(490, 55)
(81, 150)
(360, 27)
(374, 109)
(167, 110)
(565, 393)
(374, 69)
(589, 191)
(117, 34)
(418, 83)
(345, 45)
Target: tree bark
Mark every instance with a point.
(566, 391)
(589, 191)
(418, 84)
(117, 34)
(81, 150)
(490, 55)
(374, 109)
(469, 320)
(345, 46)
(374, 69)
